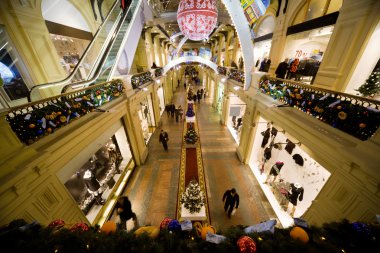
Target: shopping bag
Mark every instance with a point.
(233, 211)
(186, 225)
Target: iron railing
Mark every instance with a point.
(357, 116)
(33, 121)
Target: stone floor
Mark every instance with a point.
(153, 186)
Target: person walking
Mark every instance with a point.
(172, 110)
(164, 138)
(282, 69)
(231, 200)
(180, 112)
(124, 210)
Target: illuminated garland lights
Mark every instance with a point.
(34, 122)
(141, 79)
(356, 118)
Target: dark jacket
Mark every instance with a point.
(126, 212)
(231, 200)
(281, 70)
(164, 137)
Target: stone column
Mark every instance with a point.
(355, 24)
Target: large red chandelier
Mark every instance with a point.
(197, 18)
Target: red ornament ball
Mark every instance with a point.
(80, 226)
(246, 245)
(164, 224)
(56, 224)
(197, 18)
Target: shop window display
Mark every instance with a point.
(146, 116)
(289, 177)
(95, 177)
(235, 117)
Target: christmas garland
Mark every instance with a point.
(173, 236)
(36, 121)
(351, 116)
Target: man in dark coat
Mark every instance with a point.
(124, 210)
(231, 200)
(164, 138)
(282, 68)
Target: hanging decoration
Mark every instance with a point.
(197, 18)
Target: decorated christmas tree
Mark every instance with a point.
(193, 198)
(371, 86)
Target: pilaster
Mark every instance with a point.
(355, 24)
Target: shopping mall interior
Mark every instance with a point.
(277, 99)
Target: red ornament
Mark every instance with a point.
(80, 226)
(246, 245)
(197, 18)
(56, 224)
(164, 224)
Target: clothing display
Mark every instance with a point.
(267, 153)
(281, 70)
(296, 193)
(276, 168)
(90, 181)
(289, 146)
(266, 135)
(298, 159)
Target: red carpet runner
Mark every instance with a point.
(191, 168)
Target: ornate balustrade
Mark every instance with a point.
(222, 70)
(33, 121)
(158, 72)
(233, 74)
(357, 116)
(236, 75)
(141, 79)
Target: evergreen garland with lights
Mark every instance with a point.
(193, 198)
(371, 86)
(341, 236)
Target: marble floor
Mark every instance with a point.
(153, 186)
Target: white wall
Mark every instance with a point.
(366, 63)
(57, 11)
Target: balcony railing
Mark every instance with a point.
(158, 72)
(236, 75)
(33, 121)
(222, 70)
(141, 79)
(233, 74)
(357, 116)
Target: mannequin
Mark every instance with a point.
(274, 171)
(295, 195)
(93, 186)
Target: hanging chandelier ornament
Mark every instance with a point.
(197, 18)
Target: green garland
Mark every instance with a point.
(332, 237)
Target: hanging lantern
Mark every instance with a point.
(197, 18)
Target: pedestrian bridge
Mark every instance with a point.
(184, 59)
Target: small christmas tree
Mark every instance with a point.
(371, 86)
(193, 198)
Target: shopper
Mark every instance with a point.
(231, 200)
(124, 210)
(282, 68)
(164, 138)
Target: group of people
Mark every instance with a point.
(191, 96)
(171, 110)
(296, 69)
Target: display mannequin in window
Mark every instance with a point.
(93, 186)
(295, 195)
(274, 171)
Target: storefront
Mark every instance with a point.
(308, 47)
(288, 176)
(146, 115)
(96, 184)
(236, 111)
(261, 51)
(160, 94)
(263, 42)
(219, 97)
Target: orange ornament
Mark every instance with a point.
(32, 126)
(108, 227)
(362, 125)
(297, 233)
